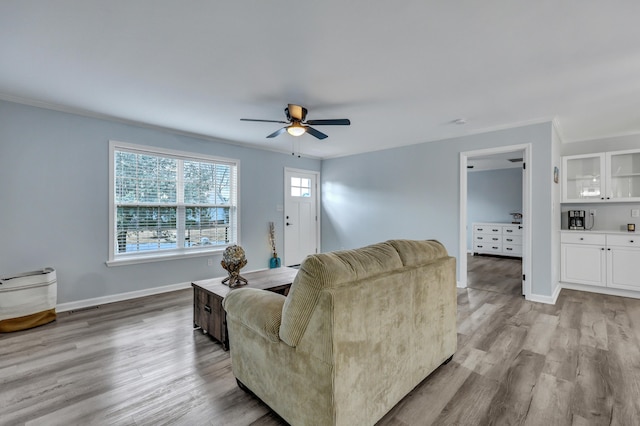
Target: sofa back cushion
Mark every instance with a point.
(414, 252)
(329, 270)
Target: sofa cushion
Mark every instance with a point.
(329, 270)
(258, 310)
(414, 253)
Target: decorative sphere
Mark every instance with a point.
(233, 255)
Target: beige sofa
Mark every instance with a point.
(357, 332)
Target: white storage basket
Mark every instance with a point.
(28, 300)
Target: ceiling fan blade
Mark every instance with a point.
(316, 133)
(264, 121)
(277, 132)
(336, 122)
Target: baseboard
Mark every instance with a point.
(602, 290)
(79, 304)
(549, 300)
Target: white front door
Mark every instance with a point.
(301, 226)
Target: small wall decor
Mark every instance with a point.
(274, 262)
(234, 259)
(556, 174)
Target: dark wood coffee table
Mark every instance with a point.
(208, 295)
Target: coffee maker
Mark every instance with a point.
(576, 219)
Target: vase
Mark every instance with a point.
(274, 262)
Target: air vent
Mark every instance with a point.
(515, 160)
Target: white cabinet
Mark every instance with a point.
(623, 177)
(503, 239)
(583, 258)
(623, 262)
(603, 260)
(601, 177)
(583, 178)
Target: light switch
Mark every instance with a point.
(635, 212)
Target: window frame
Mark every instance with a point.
(116, 259)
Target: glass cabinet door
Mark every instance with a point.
(583, 178)
(624, 175)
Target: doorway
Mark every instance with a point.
(301, 207)
(494, 188)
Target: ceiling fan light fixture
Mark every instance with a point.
(296, 129)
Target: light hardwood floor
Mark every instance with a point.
(140, 363)
(495, 273)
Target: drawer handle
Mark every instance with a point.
(495, 239)
(581, 238)
(207, 308)
(509, 230)
(509, 239)
(630, 241)
(480, 246)
(495, 248)
(480, 229)
(494, 230)
(509, 248)
(480, 238)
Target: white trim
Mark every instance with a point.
(107, 117)
(318, 206)
(161, 257)
(526, 210)
(79, 304)
(601, 290)
(550, 300)
(177, 253)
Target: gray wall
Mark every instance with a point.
(413, 192)
(54, 201)
(491, 196)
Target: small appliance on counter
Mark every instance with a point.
(576, 219)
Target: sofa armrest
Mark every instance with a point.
(258, 310)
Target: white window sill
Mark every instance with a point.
(160, 257)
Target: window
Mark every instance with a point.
(168, 203)
(300, 187)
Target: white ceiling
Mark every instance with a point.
(401, 71)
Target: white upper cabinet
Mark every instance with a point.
(624, 175)
(601, 177)
(583, 178)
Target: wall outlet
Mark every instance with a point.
(635, 212)
(592, 212)
(210, 262)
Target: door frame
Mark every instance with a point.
(526, 211)
(317, 200)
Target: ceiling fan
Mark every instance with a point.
(297, 126)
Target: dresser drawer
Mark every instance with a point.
(487, 229)
(510, 249)
(623, 240)
(488, 247)
(512, 230)
(487, 238)
(511, 240)
(582, 238)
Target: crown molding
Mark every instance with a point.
(107, 117)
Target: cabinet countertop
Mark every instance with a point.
(599, 231)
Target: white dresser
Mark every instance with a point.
(504, 239)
